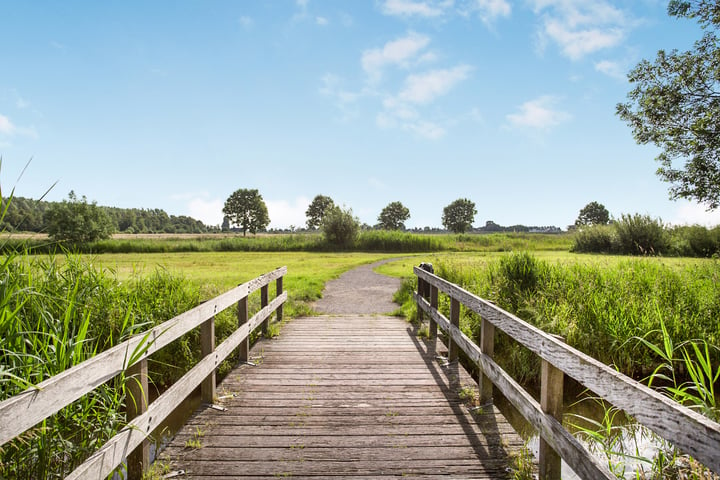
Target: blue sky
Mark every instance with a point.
(176, 104)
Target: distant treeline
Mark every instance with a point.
(27, 215)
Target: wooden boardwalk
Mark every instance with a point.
(344, 396)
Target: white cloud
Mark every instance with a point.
(209, 211)
(284, 214)
(539, 114)
(9, 129)
(695, 214)
(407, 8)
(425, 87)
(322, 21)
(6, 126)
(302, 3)
(400, 52)
(345, 101)
(581, 27)
(246, 22)
(491, 10)
(611, 69)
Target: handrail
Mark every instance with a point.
(693, 433)
(37, 403)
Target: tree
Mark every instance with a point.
(459, 215)
(75, 221)
(675, 105)
(593, 213)
(340, 227)
(317, 209)
(246, 209)
(393, 216)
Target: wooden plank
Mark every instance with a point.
(326, 413)
(691, 432)
(551, 402)
(104, 461)
(571, 450)
(39, 402)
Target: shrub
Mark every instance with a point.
(640, 234)
(596, 239)
(340, 228)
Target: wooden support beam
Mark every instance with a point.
(278, 292)
(263, 304)
(487, 347)
(453, 349)
(207, 347)
(242, 315)
(551, 403)
(137, 404)
(432, 325)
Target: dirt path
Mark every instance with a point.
(359, 291)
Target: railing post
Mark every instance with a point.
(453, 349)
(487, 347)
(137, 404)
(432, 326)
(421, 293)
(263, 304)
(207, 347)
(278, 292)
(242, 315)
(551, 402)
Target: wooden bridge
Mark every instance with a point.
(360, 396)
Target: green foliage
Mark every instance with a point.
(641, 235)
(674, 105)
(597, 308)
(246, 208)
(340, 228)
(74, 221)
(459, 215)
(317, 209)
(393, 216)
(593, 213)
(631, 235)
(597, 239)
(27, 215)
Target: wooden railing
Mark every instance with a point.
(27, 409)
(691, 432)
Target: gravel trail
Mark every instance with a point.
(359, 291)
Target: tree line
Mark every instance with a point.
(76, 214)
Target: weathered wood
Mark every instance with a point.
(278, 292)
(242, 316)
(207, 347)
(551, 402)
(487, 347)
(432, 326)
(453, 349)
(305, 417)
(691, 432)
(104, 461)
(571, 450)
(37, 403)
(263, 303)
(137, 404)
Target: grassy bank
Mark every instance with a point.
(59, 311)
(599, 304)
(368, 241)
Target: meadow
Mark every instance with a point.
(58, 310)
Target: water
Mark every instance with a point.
(583, 411)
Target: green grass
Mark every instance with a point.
(599, 304)
(368, 241)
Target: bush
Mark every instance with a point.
(340, 228)
(77, 222)
(596, 239)
(640, 234)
